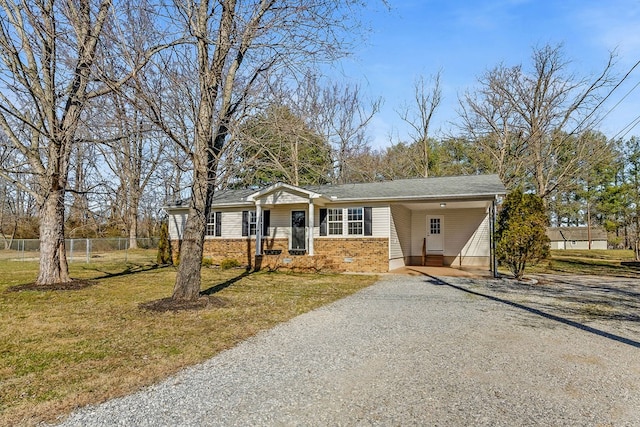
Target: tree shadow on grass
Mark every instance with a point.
(438, 281)
(207, 299)
(217, 288)
(130, 269)
(78, 284)
(594, 267)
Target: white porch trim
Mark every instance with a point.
(310, 226)
(259, 222)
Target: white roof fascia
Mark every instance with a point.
(279, 186)
(470, 197)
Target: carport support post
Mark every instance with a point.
(492, 240)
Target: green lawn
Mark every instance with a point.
(63, 349)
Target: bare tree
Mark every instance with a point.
(492, 125)
(341, 113)
(278, 145)
(428, 96)
(322, 115)
(48, 75)
(133, 151)
(234, 48)
(82, 184)
(530, 121)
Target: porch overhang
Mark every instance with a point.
(443, 203)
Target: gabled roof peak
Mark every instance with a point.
(283, 186)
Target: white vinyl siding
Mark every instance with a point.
(284, 198)
(281, 220)
(177, 221)
(466, 232)
(232, 224)
(400, 229)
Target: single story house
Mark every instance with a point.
(367, 227)
(577, 237)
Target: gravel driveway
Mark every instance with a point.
(413, 350)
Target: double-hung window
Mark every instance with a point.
(253, 223)
(350, 221)
(355, 221)
(250, 223)
(214, 224)
(334, 222)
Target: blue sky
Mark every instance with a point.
(463, 39)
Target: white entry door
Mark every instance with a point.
(435, 234)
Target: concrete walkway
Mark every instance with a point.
(410, 350)
(417, 270)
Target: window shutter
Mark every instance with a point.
(323, 222)
(245, 223)
(218, 224)
(368, 229)
(266, 222)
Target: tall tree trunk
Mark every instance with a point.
(53, 259)
(132, 220)
(187, 285)
(133, 231)
(425, 157)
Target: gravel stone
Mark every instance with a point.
(410, 350)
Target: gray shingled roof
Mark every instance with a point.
(413, 189)
(416, 188)
(561, 234)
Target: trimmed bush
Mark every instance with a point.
(228, 263)
(164, 246)
(521, 237)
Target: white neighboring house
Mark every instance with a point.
(577, 237)
(368, 227)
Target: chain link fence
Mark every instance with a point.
(86, 250)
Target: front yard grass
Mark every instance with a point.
(64, 349)
(587, 262)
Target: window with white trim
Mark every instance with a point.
(213, 227)
(334, 222)
(355, 221)
(253, 223)
(250, 223)
(346, 221)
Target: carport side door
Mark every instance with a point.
(435, 234)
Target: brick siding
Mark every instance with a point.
(366, 254)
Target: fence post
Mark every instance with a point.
(88, 243)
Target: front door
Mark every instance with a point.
(298, 230)
(435, 234)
